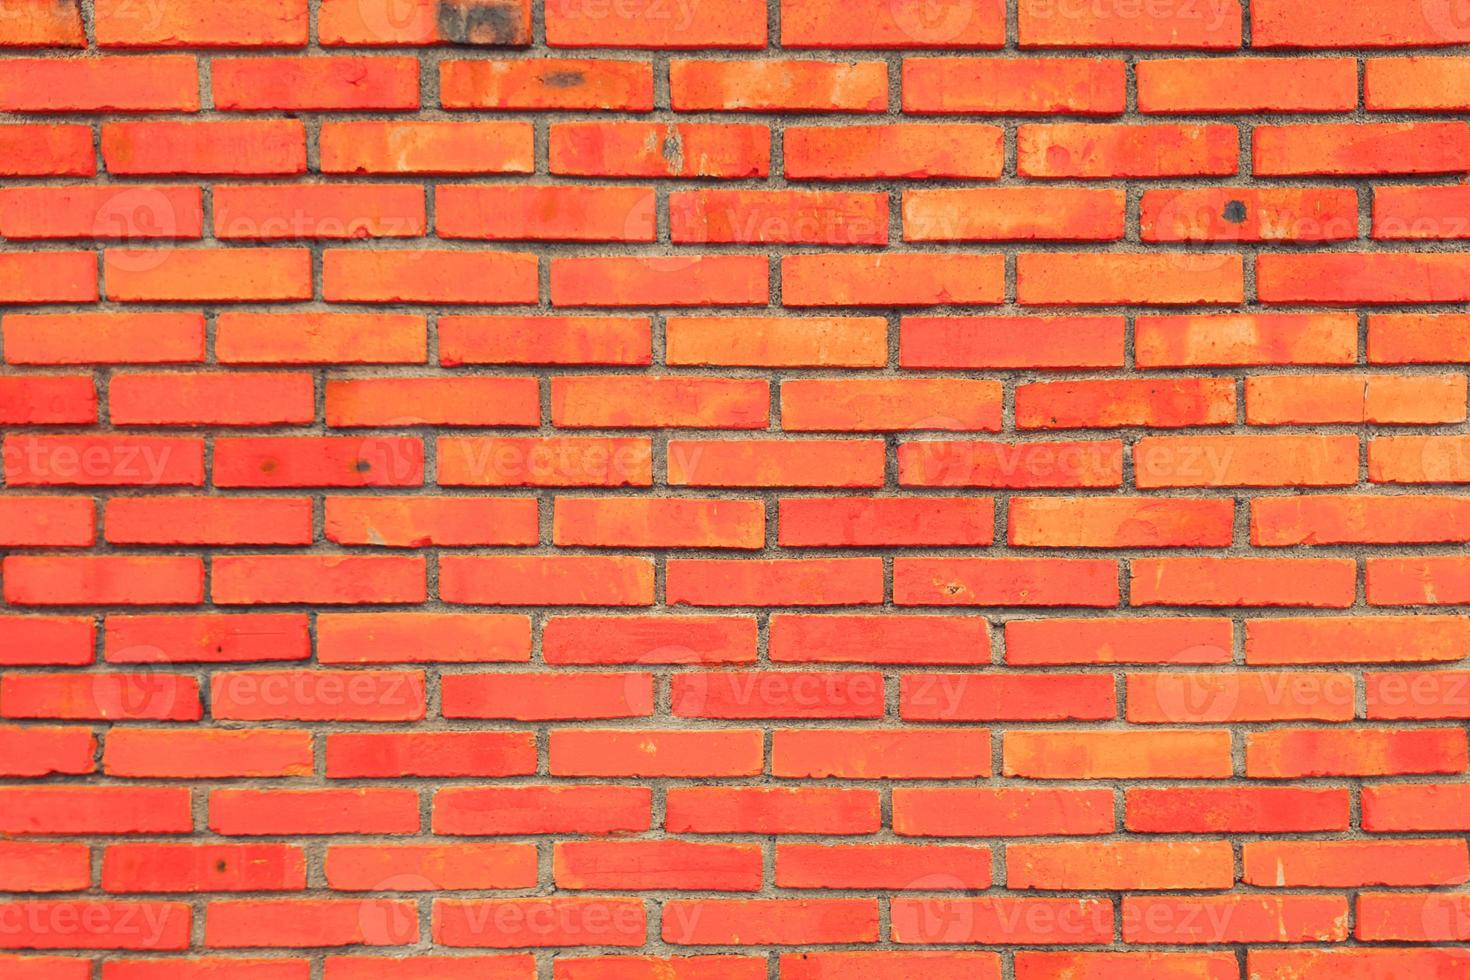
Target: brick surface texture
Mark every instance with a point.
(734, 490)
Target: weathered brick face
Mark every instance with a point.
(729, 489)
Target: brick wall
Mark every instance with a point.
(694, 490)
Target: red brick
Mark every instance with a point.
(537, 922)
(394, 755)
(614, 522)
(1013, 214)
(566, 462)
(1329, 583)
(858, 522)
(1216, 24)
(1355, 964)
(659, 402)
(326, 579)
(1322, 520)
(1187, 698)
(374, 23)
(891, 965)
(770, 922)
(1010, 464)
(884, 639)
(885, 866)
(648, 640)
(751, 341)
(689, 280)
(315, 461)
(205, 638)
(530, 697)
(1002, 921)
(785, 85)
(1239, 85)
(46, 151)
(45, 867)
(1094, 866)
(1232, 339)
(44, 24)
(1297, 753)
(103, 697)
(364, 638)
(1385, 23)
(552, 212)
(209, 521)
(1355, 864)
(215, 399)
(207, 275)
(1375, 148)
(1004, 582)
(200, 23)
(1162, 404)
(308, 923)
(319, 338)
(376, 147)
(103, 84)
(662, 753)
(32, 522)
(1010, 342)
(962, 697)
(1128, 641)
(265, 213)
(48, 277)
(1177, 754)
(884, 405)
(274, 813)
(132, 212)
(32, 751)
(657, 866)
(1365, 639)
(340, 83)
(1245, 461)
(353, 867)
(1021, 86)
(1351, 279)
(104, 338)
(875, 24)
(902, 151)
(567, 809)
(1235, 919)
(559, 580)
(1120, 966)
(103, 460)
(777, 582)
(1092, 151)
(108, 580)
(98, 925)
(1114, 522)
(951, 753)
(638, 149)
(1001, 812)
(203, 868)
(58, 399)
(433, 401)
(1104, 279)
(544, 340)
(546, 83)
(650, 24)
(892, 279)
(1415, 84)
(431, 277)
(779, 217)
(266, 147)
(1236, 810)
(1423, 807)
(759, 810)
(440, 521)
(1248, 214)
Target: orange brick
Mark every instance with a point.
(1014, 465)
(265, 147)
(903, 151)
(1349, 279)
(474, 461)
(437, 401)
(856, 522)
(320, 338)
(1162, 404)
(1120, 522)
(779, 582)
(1297, 753)
(551, 212)
(375, 23)
(1104, 279)
(1419, 459)
(1355, 398)
(204, 275)
(544, 340)
(1373, 148)
(615, 522)
(398, 276)
(1021, 86)
(778, 86)
(1004, 582)
(1325, 520)
(657, 402)
(891, 279)
(44, 24)
(130, 213)
(1106, 151)
(213, 398)
(1322, 582)
(882, 405)
(776, 341)
(1180, 754)
(1034, 342)
(343, 83)
(1245, 461)
(876, 24)
(638, 149)
(1216, 24)
(1384, 24)
(44, 151)
(702, 280)
(1375, 639)
(561, 580)
(1238, 85)
(546, 83)
(1230, 340)
(200, 23)
(373, 147)
(779, 217)
(1013, 214)
(397, 522)
(776, 463)
(1267, 214)
(266, 212)
(650, 24)
(104, 84)
(1415, 84)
